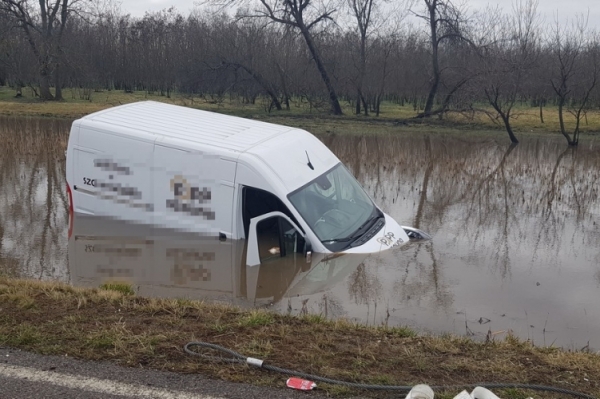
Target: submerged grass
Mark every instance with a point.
(33, 136)
(113, 324)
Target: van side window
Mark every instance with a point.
(256, 202)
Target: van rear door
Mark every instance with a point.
(111, 176)
(84, 182)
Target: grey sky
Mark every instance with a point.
(565, 9)
(551, 9)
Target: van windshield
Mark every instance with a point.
(335, 207)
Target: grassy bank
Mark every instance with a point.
(112, 324)
(393, 118)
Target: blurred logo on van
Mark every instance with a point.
(190, 199)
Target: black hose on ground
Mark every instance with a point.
(235, 357)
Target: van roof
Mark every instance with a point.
(186, 124)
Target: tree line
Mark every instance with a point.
(432, 54)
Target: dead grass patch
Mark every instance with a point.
(33, 136)
(394, 118)
(130, 330)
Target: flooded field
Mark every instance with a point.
(516, 238)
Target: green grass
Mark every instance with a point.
(394, 118)
(108, 325)
(257, 318)
(25, 336)
(123, 288)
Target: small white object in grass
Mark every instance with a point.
(420, 391)
(254, 362)
(463, 395)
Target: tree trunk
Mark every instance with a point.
(561, 103)
(263, 83)
(286, 96)
(492, 96)
(286, 100)
(45, 85)
(363, 69)
(432, 93)
(434, 60)
(541, 111)
(336, 109)
(57, 84)
(506, 120)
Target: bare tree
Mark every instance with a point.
(362, 10)
(304, 15)
(245, 48)
(367, 14)
(384, 47)
(15, 59)
(43, 25)
(575, 74)
(4, 45)
(509, 61)
(445, 22)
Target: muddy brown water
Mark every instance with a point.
(516, 238)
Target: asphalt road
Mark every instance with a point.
(26, 375)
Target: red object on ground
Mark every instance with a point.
(299, 383)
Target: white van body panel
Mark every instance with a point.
(193, 191)
(194, 129)
(288, 154)
(185, 169)
(111, 174)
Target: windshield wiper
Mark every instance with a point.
(357, 233)
(332, 240)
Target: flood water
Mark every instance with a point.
(516, 239)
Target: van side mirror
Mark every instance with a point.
(415, 234)
(253, 253)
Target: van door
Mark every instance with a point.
(274, 235)
(193, 191)
(85, 184)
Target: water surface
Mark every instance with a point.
(516, 243)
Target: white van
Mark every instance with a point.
(223, 176)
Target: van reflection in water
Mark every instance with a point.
(160, 262)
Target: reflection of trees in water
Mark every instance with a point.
(489, 202)
(365, 289)
(34, 206)
(9, 266)
(421, 281)
(415, 277)
(504, 203)
(331, 307)
(364, 285)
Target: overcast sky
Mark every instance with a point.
(565, 9)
